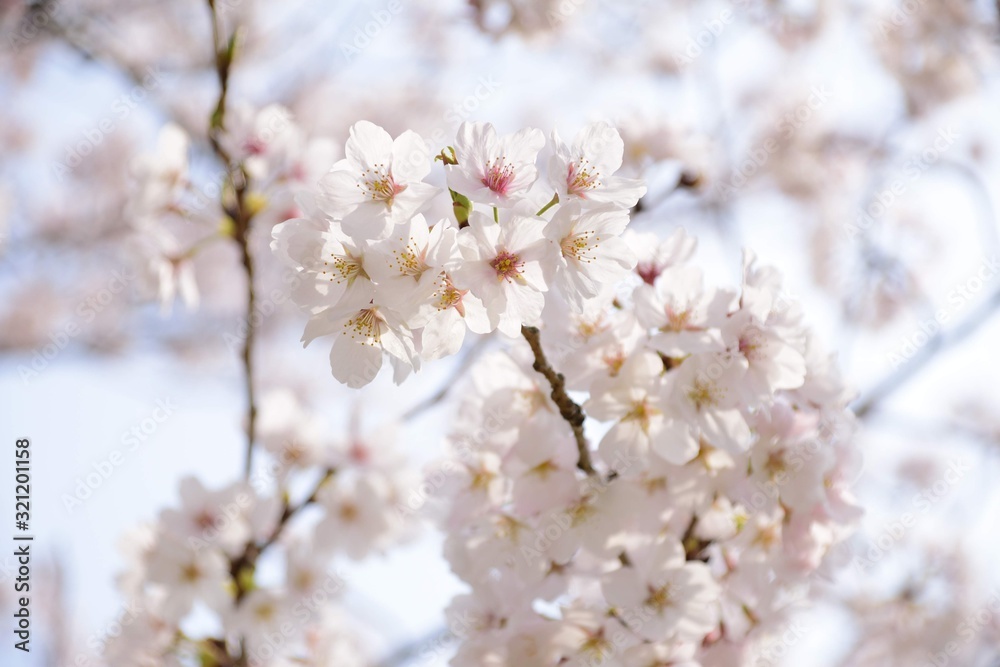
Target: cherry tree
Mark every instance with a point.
(644, 462)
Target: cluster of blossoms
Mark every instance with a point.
(231, 554)
(382, 280)
(681, 436)
(718, 488)
(720, 481)
(278, 162)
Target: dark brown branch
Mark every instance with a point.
(569, 410)
(693, 546)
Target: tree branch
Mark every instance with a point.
(934, 346)
(239, 213)
(468, 356)
(569, 410)
(248, 559)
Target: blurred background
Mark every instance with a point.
(854, 145)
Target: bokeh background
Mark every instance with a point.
(852, 144)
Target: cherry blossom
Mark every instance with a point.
(190, 575)
(634, 397)
(672, 598)
(380, 182)
(584, 170)
(592, 254)
(503, 266)
(494, 170)
(641, 471)
(363, 330)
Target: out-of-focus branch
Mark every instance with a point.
(246, 561)
(242, 231)
(686, 180)
(569, 409)
(290, 510)
(906, 425)
(944, 341)
(238, 212)
(461, 366)
(981, 194)
(73, 35)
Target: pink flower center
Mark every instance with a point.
(448, 296)
(254, 146)
(578, 246)
(648, 271)
(365, 326)
(499, 176)
(507, 265)
(380, 185)
(359, 453)
(580, 178)
(204, 520)
(291, 212)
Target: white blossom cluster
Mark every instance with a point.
(225, 573)
(648, 475)
(719, 484)
(171, 199)
(382, 280)
(721, 478)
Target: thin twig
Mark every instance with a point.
(239, 213)
(934, 346)
(248, 559)
(460, 367)
(569, 410)
(248, 344)
(94, 49)
(290, 510)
